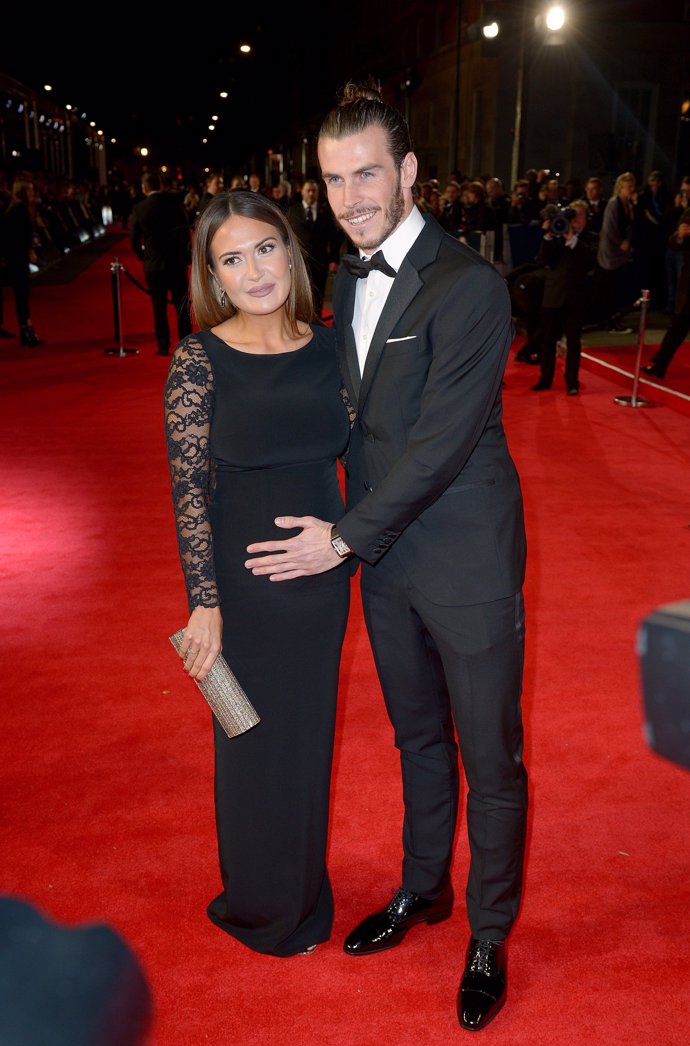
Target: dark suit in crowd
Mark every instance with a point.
(567, 266)
(319, 237)
(160, 237)
(680, 325)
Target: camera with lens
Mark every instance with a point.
(559, 218)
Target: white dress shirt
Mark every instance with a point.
(371, 293)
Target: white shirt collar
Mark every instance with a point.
(401, 239)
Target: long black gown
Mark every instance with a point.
(251, 437)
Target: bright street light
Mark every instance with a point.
(555, 18)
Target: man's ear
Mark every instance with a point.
(408, 171)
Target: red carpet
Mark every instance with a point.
(106, 746)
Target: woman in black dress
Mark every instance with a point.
(255, 423)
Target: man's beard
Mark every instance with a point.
(392, 215)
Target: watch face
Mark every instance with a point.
(339, 545)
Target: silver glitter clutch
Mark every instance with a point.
(226, 698)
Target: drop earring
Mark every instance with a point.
(223, 299)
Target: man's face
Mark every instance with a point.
(493, 188)
(552, 190)
(593, 190)
(254, 182)
(310, 192)
(369, 195)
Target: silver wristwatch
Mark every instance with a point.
(339, 544)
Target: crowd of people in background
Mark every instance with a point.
(627, 235)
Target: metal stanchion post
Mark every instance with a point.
(116, 268)
(635, 400)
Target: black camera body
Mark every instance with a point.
(559, 218)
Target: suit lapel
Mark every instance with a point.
(405, 286)
(344, 305)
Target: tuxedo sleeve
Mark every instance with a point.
(470, 333)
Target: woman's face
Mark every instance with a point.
(627, 191)
(252, 264)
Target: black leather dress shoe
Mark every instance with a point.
(540, 386)
(387, 928)
(482, 989)
(655, 370)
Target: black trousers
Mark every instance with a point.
(160, 284)
(442, 670)
(674, 337)
(566, 320)
(18, 277)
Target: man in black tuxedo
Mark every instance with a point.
(434, 515)
(680, 325)
(160, 238)
(319, 236)
(567, 261)
(596, 204)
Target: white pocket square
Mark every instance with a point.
(408, 337)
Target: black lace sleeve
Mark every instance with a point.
(351, 412)
(189, 398)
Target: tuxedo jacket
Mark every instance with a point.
(430, 480)
(160, 232)
(683, 291)
(320, 239)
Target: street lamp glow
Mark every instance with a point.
(143, 151)
(555, 18)
(245, 48)
(224, 94)
(47, 87)
(490, 32)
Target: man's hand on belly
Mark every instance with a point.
(309, 552)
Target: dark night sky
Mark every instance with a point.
(146, 81)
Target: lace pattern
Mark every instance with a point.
(189, 399)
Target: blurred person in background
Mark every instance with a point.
(160, 238)
(680, 326)
(18, 253)
(611, 293)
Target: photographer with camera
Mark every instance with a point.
(524, 208)
(567, 254)
(680, 325)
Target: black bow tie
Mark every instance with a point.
(359, 267)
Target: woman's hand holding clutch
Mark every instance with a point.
(202, 641)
